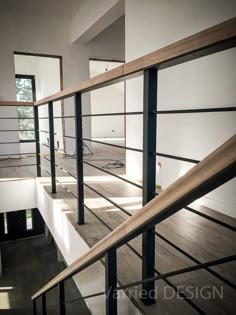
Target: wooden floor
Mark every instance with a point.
(200, 238)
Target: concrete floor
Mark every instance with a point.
(28, 265)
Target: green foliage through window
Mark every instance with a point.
(24, 93)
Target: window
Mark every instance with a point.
(25, 92)
(29, 221)
(5, 223)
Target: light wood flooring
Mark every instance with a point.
(198, 237)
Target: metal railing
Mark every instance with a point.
(216, 169)
(215, 39)
(35, 140)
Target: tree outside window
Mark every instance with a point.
(25, 92)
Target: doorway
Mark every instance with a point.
(38, 76)
(20, 224)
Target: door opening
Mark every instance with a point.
(20, 224)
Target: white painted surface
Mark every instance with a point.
(72, 247)
(202, 83)
(38, 34)
(35, 33)
(94, 17)
(52, 8)
(107, 100)
(108, 45)
(17, 194)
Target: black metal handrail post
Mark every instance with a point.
(37, 140)
(149, 178)
(61, 296)
(44, 308)
(79, 157)
(34, 307)
(52, 147)
(111, 282)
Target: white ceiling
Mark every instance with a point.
(53, 8)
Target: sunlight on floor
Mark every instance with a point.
(4, 298)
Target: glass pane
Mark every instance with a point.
(24, 90)
(29, 222)
(24, 93)
(5, 223)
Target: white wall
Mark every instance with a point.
(32, 33)
(72, 246)
(24, 199)
(38, 34)
(108, 45)
(206, 82)
(93, 17)
(107, 100)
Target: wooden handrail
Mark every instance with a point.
(194, 182)
(15, 103)
(192, 47)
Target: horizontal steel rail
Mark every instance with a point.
(79, 299)
(59, 167)
(112, 174)
(113, 114)
(23, 165)
(57, 134)
(107, 199)
(16, 142)
(17, 118)
(175, 157)
(196, 110)
(214, 273)
(181, 271)
(43, 131)
(17, 130)
(113, 145)
(225, 225)
(14, 154)
(57, 117)
(58, 150)
(208, 217)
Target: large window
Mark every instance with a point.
(25, 92)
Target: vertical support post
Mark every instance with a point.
(61, 295)
(37, 139)
(52, 147)
(44, 309)
(149, 178)
(111, 282)
(34, 307)
(79, 157)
